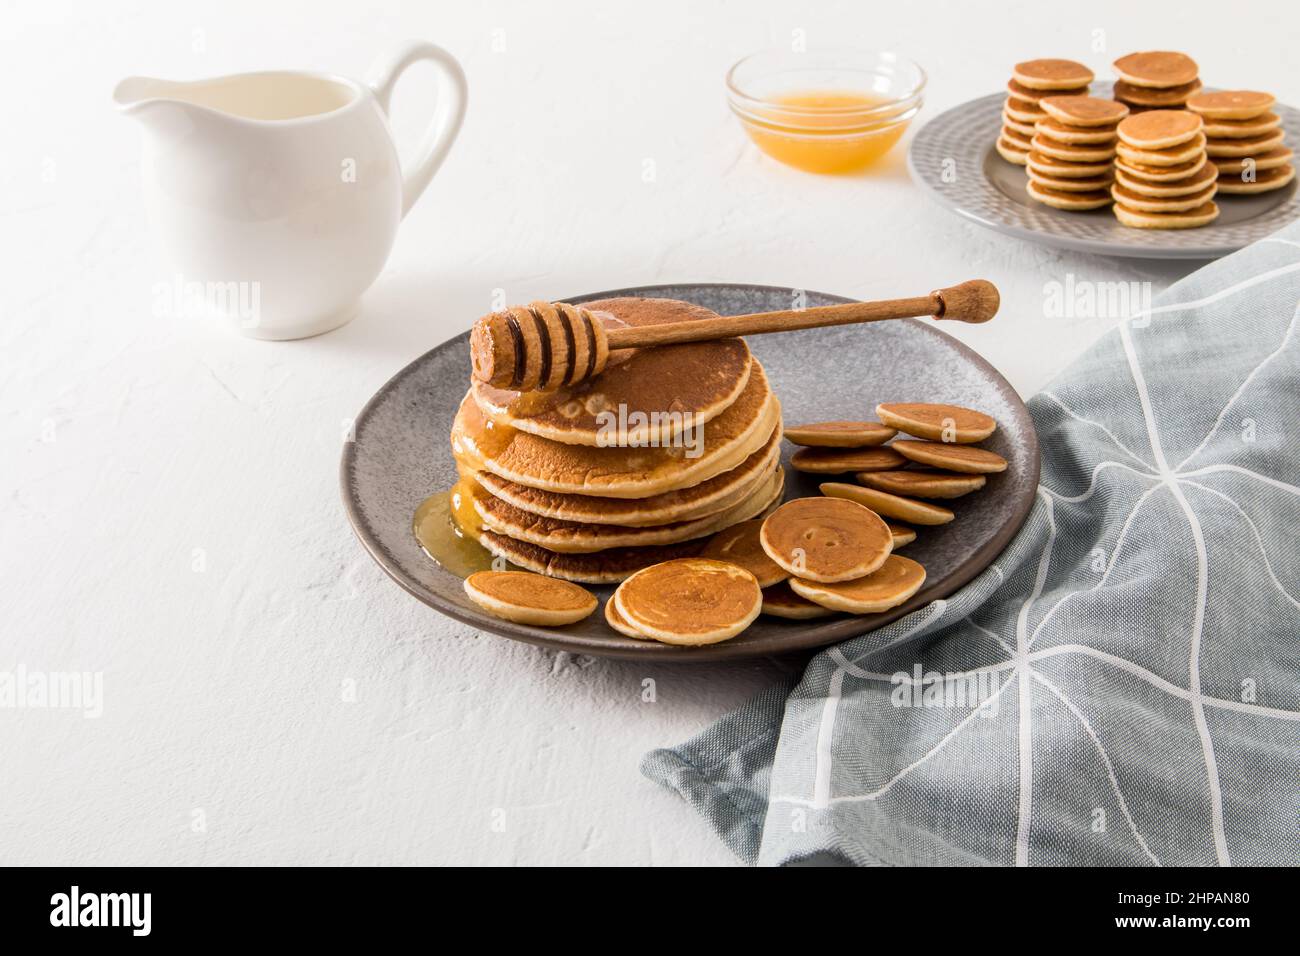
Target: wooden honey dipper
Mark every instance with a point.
(546, 345)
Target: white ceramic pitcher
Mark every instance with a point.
(276, 196)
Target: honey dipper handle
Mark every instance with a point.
(973, 301)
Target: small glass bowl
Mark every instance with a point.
(826, 110)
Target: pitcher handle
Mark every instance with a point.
(447, 118)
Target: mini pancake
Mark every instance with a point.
(1011, 124)
(685, 504)
(902, 534)
(1241, 129)
(1022, 111)
(1157, 69)
(922, 484)
(1063, 169)
(1016, 139)
(1244, 146)
(690, 601)
(1025, 93)
(889, 505)
(1071, 185)
(573, 537)
(1059, 132)
(840, 434)
(1152, 98)
(837, 461)
(1167, 220)
(1273, 159)
(1051, 74)
(937, 422)
(1071, 153)
(1231, 104)
(896, 581)
(740, 545)
(1266, 180)
(1159, 129)
(826, 539)
(1071, 201)
(619, 623)
(1169, 156)
(528, 598)
(1161, 174)
(1194, 183)
(1083, 110)
(603, 567)
(537, 462)
(1010, 152)
(780, 601)
(962, 458)
(1139, 203)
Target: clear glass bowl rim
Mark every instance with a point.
(742, 99)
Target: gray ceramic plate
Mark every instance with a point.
(401, 455)
(953, 157)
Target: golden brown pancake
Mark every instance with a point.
(1010, 152)
(1152, 98)
(889, 505)
(1231, 104)
(780, 601)
(1244, 146)
(826, 539)
(537, 462)
(1157, 69)
(1240, 129)
(1077, 201)
(1140, 203)
(529, 598)
(1058, 132)
(1024, 111)
(1025, 94)
(1265, 180)
(1018, 140)
(662, 390)
(603, 567)
(1064, 169)
(1274, 158)
(892, 584)
(1091, 111)
(835, 461)
(740, 545)
(1186, 186)
(1161, 174)
(1169, 156)
(963, 458)
(1159, 129)
(1071, 185)
(937, 422)
(922, 484)
(1011, 124)
(840, 434)
(1071, 152)
(690, 601)
(1051, 74)
(1167, 220)
(697, 501)
(901, 533)
(619, 623)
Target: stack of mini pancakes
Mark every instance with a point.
(1163, 177)
(1070, 166)
(1156, 80)
(635, 466)
(1030, 82)
(1244, 140)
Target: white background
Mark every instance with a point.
(131, 442)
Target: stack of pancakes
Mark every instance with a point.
(1163, 177)
(1244, 140)
(635, 466)
(1156, 80)
(1030, 82)
(1071, 165)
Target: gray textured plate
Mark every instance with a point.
(401, 455)
(953, 157)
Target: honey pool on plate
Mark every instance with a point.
(438, 527)
(825, 131)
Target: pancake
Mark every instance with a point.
(1169, 156)
(1152, 98)
(1244, 146)
(889, 505)
(896, 581)
(1265, 180)
(779, 600)
(1186, 186)
(740, 546)
(1240, 129)
(836, 461)
(1063, 169)
(697, 501)
(1140, 203)
(528, 598)
(1013, 125)
(1159, 174)
(1026, 94)
(619, 623)
(1083, 110)
(537, 462)
(603, 567)
(840, 434)
(690, 601)
(1051, 74)
(1157, 69)
(826, 539)
(647, 395)
(1071, 185)
(1070, 152)
(937, 422)
(573, 537)
(963, 458)
(1159, 129)
(1024, 111)
(1274, 158)
(1010, 152)
(1167, 220)
(1231, 104)
(1059, 132)
(902, 534)
(1018, 140)
(922, 484)
(1072, 201)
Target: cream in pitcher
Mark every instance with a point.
(280, 193)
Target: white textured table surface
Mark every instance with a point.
(169, 507)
